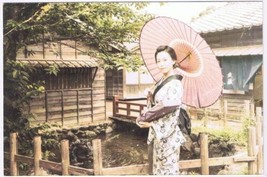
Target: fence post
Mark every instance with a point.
(225, 112)
(115, 109)
(204, 154)
(65, 157)
(205, 118)
(13, 153)
(259, 140)
(128, 109)
(252, 109)
(37, 155)
(251, 150)
(248, 108)
(97, 156)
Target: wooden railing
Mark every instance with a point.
(254, 157)
(226, 109)
(234, 110)
(126, 110)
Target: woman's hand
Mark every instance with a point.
(144, 124)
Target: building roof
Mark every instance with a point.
(61, 63)
(239, 51)
(234, 15)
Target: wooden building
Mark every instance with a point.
(234, 32)
(76, 95)
(126, 84)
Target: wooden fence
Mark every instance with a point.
(227, 109)
(254, 157)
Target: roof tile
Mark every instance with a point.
(234, 15)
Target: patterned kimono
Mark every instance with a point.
(165, 132)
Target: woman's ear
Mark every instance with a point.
(174, 64)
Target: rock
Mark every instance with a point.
(194, 137)
(70, 134)
(64, 130)
(74, 130)
(224, 171)
(109, 130)
(99, 130)
(42, 173)
(215, 151)
(90, 134)
(83, 128)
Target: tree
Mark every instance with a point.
(99, 25)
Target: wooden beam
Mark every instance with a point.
(245, 159)
(123, 119)
(97, 156)
(62, 107)
(37, 155)
(186, 164)
(204, 154)
(92, 106)
(65, 157)
(78, 107)
(80, 171)
(13, 153)
(259, 140)
(46, 106)
(24, 159)
(49, 165)
(251, 149)
(127, 170)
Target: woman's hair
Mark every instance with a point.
(167, 49)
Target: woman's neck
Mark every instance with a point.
(166, 75)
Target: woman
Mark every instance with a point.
(165, 133)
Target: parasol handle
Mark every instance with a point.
(184, 59)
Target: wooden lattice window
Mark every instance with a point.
(69, 78)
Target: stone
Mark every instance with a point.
(109, 130)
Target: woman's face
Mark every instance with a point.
(164, 62)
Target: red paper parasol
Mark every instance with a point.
(202, 76)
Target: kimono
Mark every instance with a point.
(165, 132)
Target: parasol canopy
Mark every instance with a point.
(202, 76)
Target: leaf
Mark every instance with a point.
(14, 73)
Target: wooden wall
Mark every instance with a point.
(258, 89)
(99, 100)
(73, 106)
(114, 83)
(229, 107)
(234, 38)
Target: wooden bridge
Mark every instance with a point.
(127, 110)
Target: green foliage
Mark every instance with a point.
(246, 123)
(52, 69)
(18, 90)
(228, 134)
(47, 154)
(104, 27)
(50, 139)
(119, 61)
(101, 26)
